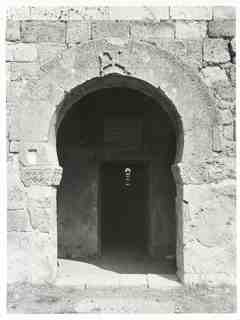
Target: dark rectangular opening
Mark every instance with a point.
(124, 206)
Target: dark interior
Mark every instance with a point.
(124, 214)
(103, 134)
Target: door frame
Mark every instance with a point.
(147, 167)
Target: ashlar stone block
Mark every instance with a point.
(191, 29)
(24, 70)
(213, 74)
(224, 116)
(191, 13)
(141, 30)
(103, 29)
(78, 31)
(48, 51)
(40, 219)
(43, 31)
(13, 125)
(216, 139)
(18, 220)
(222, 29)
(190, 51)
(21, 52)
(228, 132)
(139, 13)
(216, 51)
(13, 30)
(14, 147)
(225, 91)
(18, 13)
(212, 207)
(224, 13)
(49, 13)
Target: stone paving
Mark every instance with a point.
(87, 275)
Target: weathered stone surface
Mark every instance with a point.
(21, 52)
(141, 30)
(228, 132)
(139, 13)
(18, 13)
(13, 126)
(16, 193)
(43, 31)
(223, 105)
(20, 71)
(212, 170)
(42, 208)
(31, 257)
(224, 12)
(40, 218)
(216, 51)
(225, 28)
(16, 190)
(213, 74)
(212, 207)
(191, 13)
(190, 174)
(78, 31)
(42, 197)
(49, 13)
(43, 176)
(191, 29)
(40, 97)
(12, 30)
(48, 51)
(225, 91)
(18, 220)
(221, 168)
(224, 116)
(190, 51)
(14, 91)
(209, 279)
(75, 66)
(89, 13)
(216, 143)
(103, 29)
(14, 147)
(200, 138)
(37, 153)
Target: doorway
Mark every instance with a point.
(124, 207)
(117, 193)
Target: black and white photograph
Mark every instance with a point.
(121, 132)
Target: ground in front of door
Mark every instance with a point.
(24, 298)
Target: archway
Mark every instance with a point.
(66, 79)
(116, 147)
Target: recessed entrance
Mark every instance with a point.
(124, 207)
(116, 200)
(67, 107)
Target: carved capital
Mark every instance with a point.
(42, 176)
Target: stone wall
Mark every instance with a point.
(202, 38)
